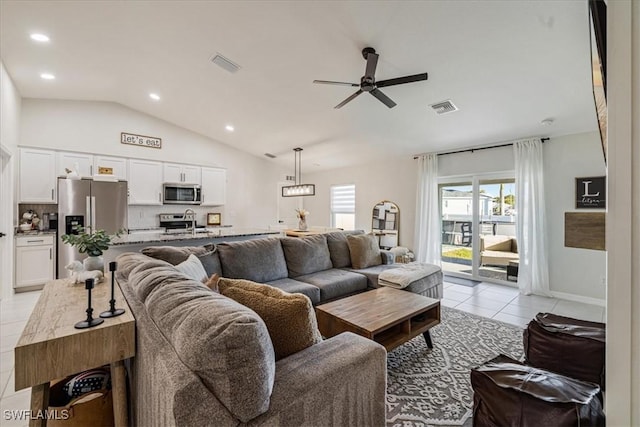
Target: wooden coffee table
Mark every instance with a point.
(388, 316)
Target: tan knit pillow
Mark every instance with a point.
(290, 318)
(364, 250)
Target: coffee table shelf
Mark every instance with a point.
(388, 316)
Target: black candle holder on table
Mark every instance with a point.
(113, 311)
(90, 321)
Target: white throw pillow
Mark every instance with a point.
(193, 269)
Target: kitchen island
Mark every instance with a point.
(137, 241)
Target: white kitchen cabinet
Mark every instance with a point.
(118, 164)
(34, 264)
(177, 173)
(70, 160)
(37, 182)
(145, 182)
(214, 186)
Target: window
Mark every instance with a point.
(343, 206)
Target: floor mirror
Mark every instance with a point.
(385, 224)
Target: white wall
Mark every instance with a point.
(10, 103)
(95, 127)
(571, 270)
(10, 106)
(394, 180)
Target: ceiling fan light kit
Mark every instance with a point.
(369, 84)
(298, 189)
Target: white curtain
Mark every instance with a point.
(533, 271)
(428, 229)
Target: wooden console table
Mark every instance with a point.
(51, 348)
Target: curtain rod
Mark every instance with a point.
(480, 148)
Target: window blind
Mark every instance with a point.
(343, 198)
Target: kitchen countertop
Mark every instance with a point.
(142, 238)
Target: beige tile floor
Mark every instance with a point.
(485, 299)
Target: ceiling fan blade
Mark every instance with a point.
(342, 104)
(328, 82)
(382, 97)
(372, 63)
(402, 80)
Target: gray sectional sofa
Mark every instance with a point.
(203, 359)
(318, 266)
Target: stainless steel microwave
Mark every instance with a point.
(181, 194)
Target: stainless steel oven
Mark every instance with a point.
(181, 194)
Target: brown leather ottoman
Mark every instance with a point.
(572, 347)
(510, 393)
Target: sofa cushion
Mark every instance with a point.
(335, 283)
(339, 249)
(371, 273)
(259, 260)
(223, 342)
(290, 318)
(364, 250)
(306, 255)
(176, 254)
(297, 287)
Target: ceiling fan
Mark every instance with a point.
(369, 84)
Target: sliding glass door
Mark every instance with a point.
(456, 208)
(478, 228)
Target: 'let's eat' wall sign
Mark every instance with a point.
(140, 140)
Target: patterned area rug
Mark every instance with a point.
(433, 387)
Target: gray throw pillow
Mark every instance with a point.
(364, 251)
(306, 255)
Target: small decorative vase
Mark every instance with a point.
(302, 224)
(93, 263)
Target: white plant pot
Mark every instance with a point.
(93, 263)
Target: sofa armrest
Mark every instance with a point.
(387, 257)
(340, 381)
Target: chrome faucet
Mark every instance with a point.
(193, 219)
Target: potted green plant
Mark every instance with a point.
(93, 244)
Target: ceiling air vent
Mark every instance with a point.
(444, 107)
(224, 63)
(269, 155)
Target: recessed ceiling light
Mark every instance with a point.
(47, 76)
(39, 37)
(546, 122)
(154, 96)
(230, 128)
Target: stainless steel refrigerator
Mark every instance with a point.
(94, 205)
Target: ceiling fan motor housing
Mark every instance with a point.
(367, 84)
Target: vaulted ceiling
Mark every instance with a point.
(507, 65)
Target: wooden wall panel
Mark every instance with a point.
(584, 230)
